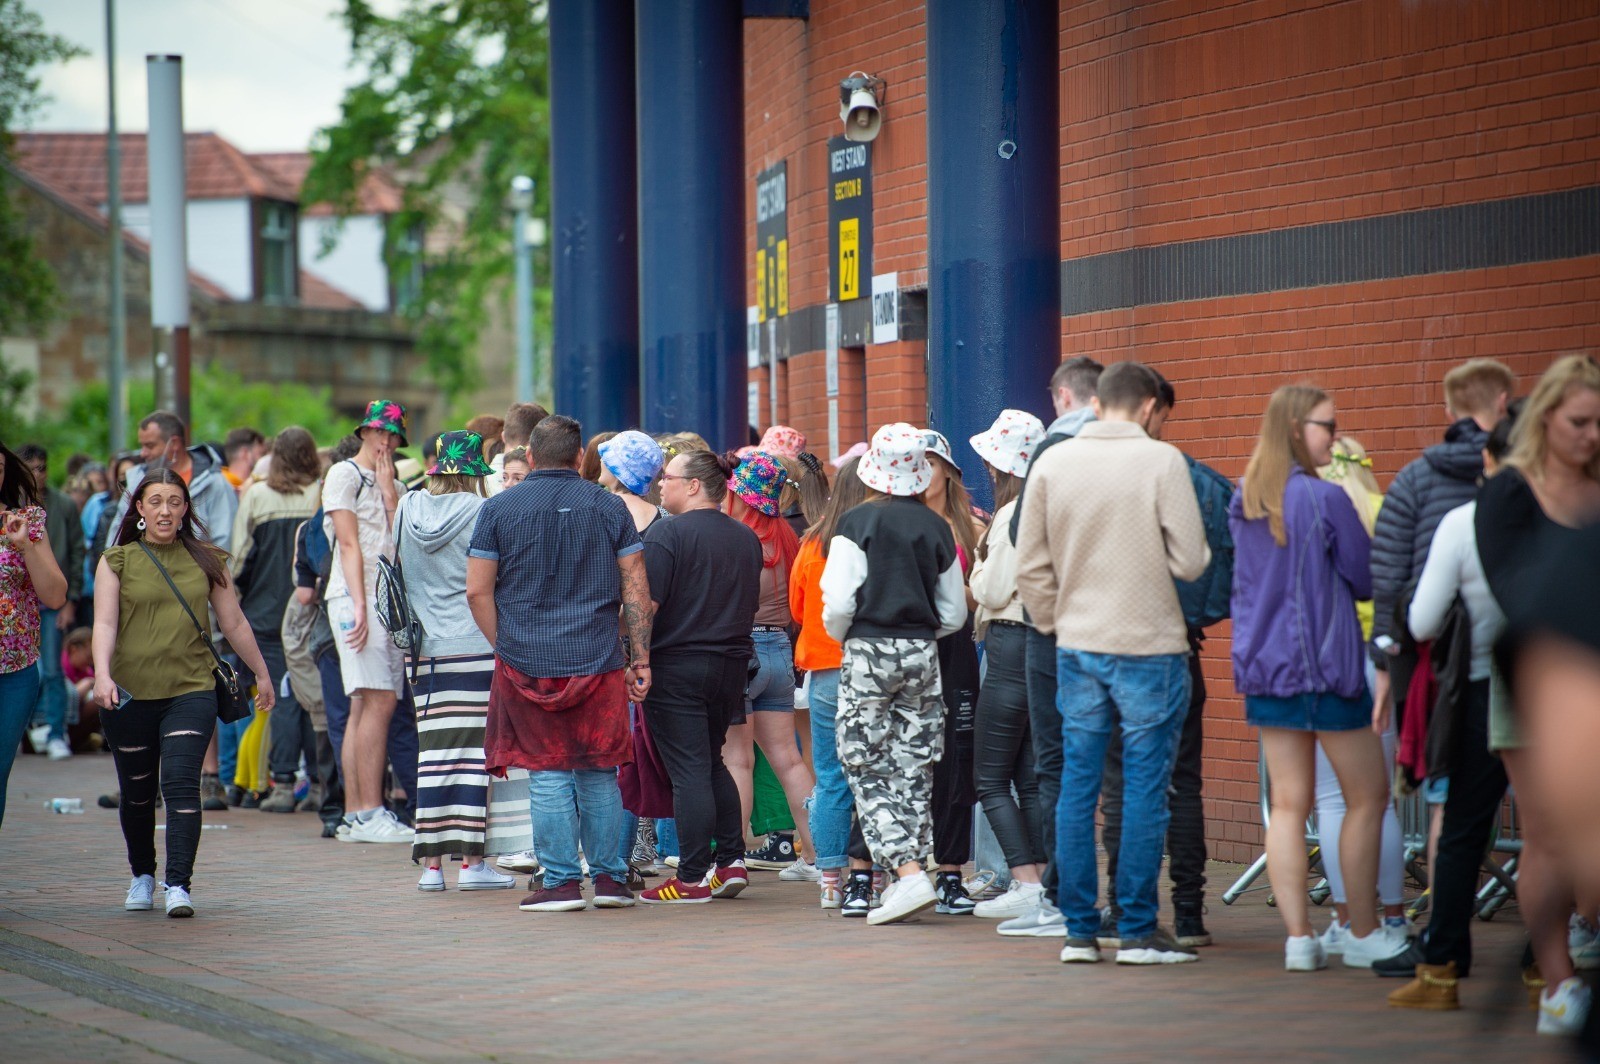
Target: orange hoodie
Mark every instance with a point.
(815, 650)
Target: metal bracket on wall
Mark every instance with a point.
(777, 9)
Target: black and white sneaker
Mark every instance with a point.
(953, 897)
(857, 894)
(1158, 947)
(775, 856)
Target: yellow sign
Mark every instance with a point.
(849, 258)
(761, 285)
(783, 278)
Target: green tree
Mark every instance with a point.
(454, 96)
(28, 294)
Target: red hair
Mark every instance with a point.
(779, 544)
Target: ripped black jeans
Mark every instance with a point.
(166, 736)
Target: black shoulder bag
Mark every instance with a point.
(232, 705)
(394, 604)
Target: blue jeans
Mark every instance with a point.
(52, 698)
(18, 691)
(832, 804)
(1150, 695)
(567, 807)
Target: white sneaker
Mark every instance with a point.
(141, 894)
(381, 827)
(1381, 944)
(1304, 953)
(519, 862)
(982, 885)
(904, 898)
(831, 892)
(432, 880)
(178, 902)
(801, 872)
(1563, 1008)
(1583, 943)
(57, 750)
(1334, 938)
(1019, 898)
(1045, 921)
(481, 877)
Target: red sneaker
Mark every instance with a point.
(609, 894)
(676, 892)
(729, 880)
(565, 898)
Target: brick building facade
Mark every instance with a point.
(1356, 193)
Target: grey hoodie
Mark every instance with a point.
(213, 498)
(432, 533)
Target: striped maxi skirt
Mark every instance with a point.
(456, 813)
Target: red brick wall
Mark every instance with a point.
(1191, 119)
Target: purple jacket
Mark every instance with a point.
(1294, 607)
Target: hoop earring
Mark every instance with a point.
(140, 525)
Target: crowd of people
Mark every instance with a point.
(632, 658)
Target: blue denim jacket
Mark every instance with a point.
(1294, 607)
(1206, 601)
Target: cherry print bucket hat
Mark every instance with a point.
(897, 462)
(1011, 442)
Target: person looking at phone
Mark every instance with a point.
(30, 579)
(153, 675)
(359, 498)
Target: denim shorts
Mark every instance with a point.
(772, 688)
(1312, 711)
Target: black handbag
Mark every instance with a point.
(232, 703)
(394, 606)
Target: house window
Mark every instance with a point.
(406, 264)
(278, 265)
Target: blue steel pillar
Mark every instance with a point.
(691, 217)
(595, 367)
(994, 215)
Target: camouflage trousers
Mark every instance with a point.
(890, 732)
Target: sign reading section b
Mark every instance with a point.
(849, 219)
(772, 242)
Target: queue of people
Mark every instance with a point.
(828, 679)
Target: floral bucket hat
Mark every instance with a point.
(459, 453)
(633, 458)
(759, 481)
(783, 441)
(939, 445)
(897, 462)
(1011, 442)
(385, 414)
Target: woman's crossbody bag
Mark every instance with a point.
(394, 605)
(232, 703)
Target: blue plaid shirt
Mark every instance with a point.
(558, 593)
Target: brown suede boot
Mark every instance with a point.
(1433, 988)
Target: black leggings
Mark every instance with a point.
(169, 736)
(1005, 748)
(954, 792)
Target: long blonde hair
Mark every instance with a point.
(1351, 469)
(1280, 447)
(1528, 439)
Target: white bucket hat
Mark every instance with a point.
(897, 462)
(1011, 442)
(939, 445)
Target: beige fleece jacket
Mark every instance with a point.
(1109, 521)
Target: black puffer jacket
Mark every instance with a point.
(1446, 476)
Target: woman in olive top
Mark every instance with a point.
(146, 644)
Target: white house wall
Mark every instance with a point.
(355, 263)
(219, 240)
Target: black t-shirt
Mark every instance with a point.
(705, 577)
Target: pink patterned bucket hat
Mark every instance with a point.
(897, 462)
(1011, 442)
(783, 441)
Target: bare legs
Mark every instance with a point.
(1544, 887)
(366, 745)
(774, 731)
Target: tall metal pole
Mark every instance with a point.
(169, 256)
(522, 197)
(117, 355)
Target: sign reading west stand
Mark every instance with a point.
(772, 242)
(849, 219)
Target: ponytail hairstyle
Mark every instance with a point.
(1280, 447)
(211, 560)
(711, 470)
(1351, 469)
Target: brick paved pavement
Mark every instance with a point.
(332, 942)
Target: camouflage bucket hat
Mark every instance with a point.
(459, 453)
(385, 414)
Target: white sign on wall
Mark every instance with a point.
(830, 331)
(885, 308)
(753, 404)
(752, 339)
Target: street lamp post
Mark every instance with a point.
(522, 203)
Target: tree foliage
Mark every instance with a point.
(28, 294)
(221, 400)
(454, 99)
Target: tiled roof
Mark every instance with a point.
(315, 292)
(76, 163)
(378, 194)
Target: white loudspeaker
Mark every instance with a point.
(861, 116)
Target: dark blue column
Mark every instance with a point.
(994, 215)
(691, 217)
(594, 195)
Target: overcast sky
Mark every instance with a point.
(265, 75)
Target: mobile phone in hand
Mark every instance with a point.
(123, 697)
